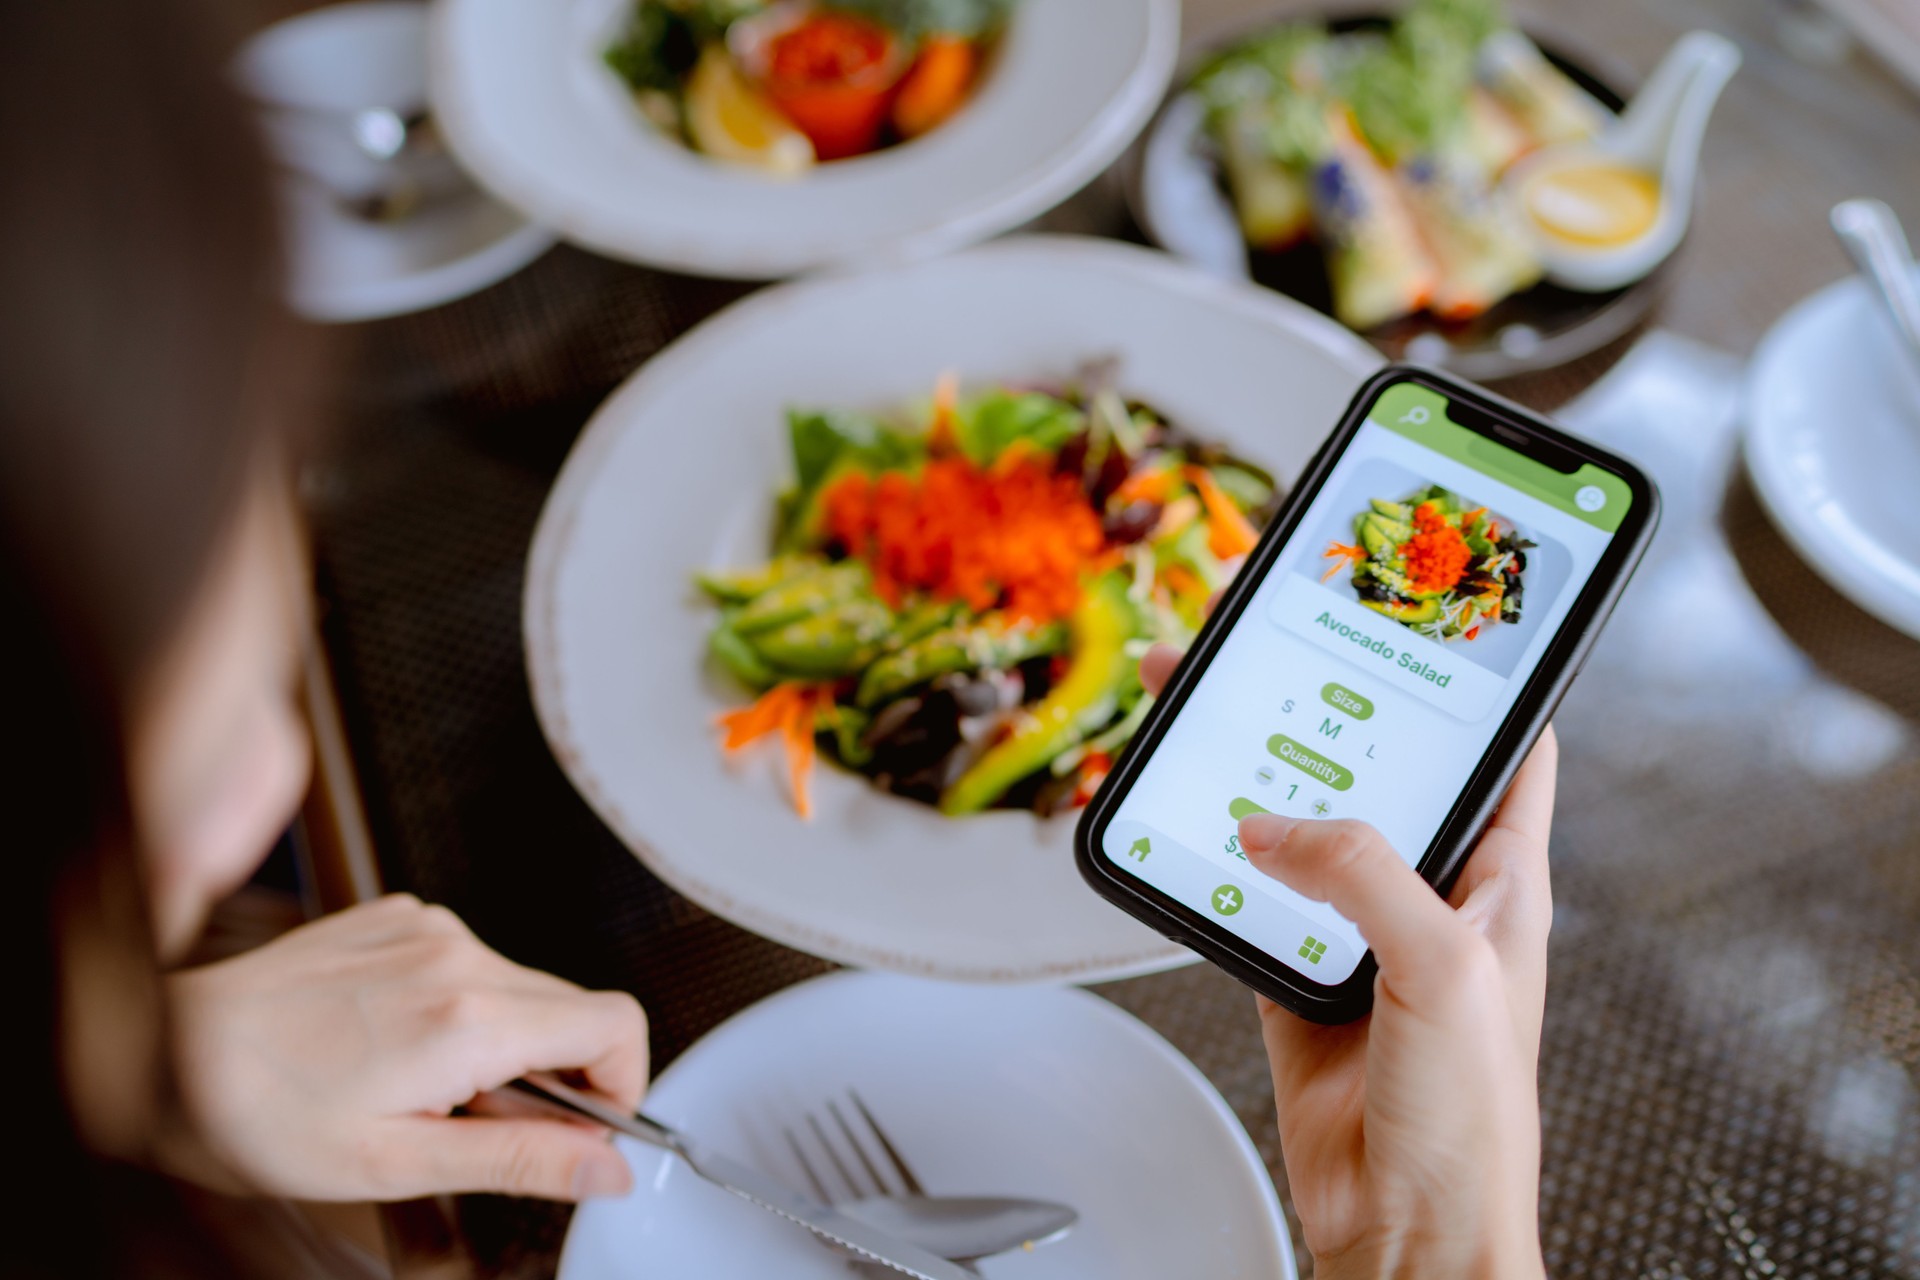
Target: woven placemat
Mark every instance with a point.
(1734, 1014)
(1733, 1025)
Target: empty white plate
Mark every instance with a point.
(677, 473)
(522, 92)
(1833, 444)
(1040, 1092)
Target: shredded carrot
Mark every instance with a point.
(1018, 537)
(798, 732)
(1149, 484)
(1437, 555)
(790, 709)
(765, 715)
(1342, 555)
(1093, 771)
(1182, 580)
(946, 394)
(1228, 532)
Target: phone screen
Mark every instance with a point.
(1371, 669)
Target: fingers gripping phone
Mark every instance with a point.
(1390, 652)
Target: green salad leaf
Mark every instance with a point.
(662, 39)
(1272, 78)
(987, 424)
(822, 439)
(1409, 90)
(916, 18)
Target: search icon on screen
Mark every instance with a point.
(1417, 415)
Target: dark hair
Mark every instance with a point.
(138, 271)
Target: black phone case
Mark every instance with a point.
(1441, 863)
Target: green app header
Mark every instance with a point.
(1592, 495)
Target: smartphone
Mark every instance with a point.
(1390, 651)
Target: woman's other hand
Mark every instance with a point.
(1412, 1136)
(327, 1064)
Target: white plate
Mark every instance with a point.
(1833, 444)
(521, 91)
(1052, 1094)
(677, 472)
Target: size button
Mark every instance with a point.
(1311, 762)
(1341, 698)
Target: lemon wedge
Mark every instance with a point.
(730, 120)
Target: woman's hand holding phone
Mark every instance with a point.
(1412, 1136)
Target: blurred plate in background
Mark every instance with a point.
(1833, 445)
(1179, 199)
(523, 94)
(677, 472)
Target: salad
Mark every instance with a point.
(779, 86)
(1444, 569)
(1387, 148)
(961, 589)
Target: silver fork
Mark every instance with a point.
(875, 1184)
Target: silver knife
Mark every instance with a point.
(746, 1182)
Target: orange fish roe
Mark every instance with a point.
(1018, 536)
(1437, 553)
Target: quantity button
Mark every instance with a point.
(1341, 698)
(1310, 762)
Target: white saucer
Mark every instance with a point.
(1042, 1092)
(343, 268)
(1833, 445)
(306, 76)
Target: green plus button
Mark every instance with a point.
(1311, 762)
(1228, 899)
(1341, 698)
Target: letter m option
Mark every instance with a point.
(1328, 727)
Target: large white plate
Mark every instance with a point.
(1833, 445)
(676, 473)
(1044, 1093)
(521, 92)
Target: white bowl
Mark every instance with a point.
(520, 90)
(677, 472)
(1051, 1094)
(1833, 445)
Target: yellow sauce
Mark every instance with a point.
(1595, 204)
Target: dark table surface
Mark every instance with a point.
(1733, 1019)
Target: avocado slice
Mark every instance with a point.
(998, 644)
(827, 645)
(1393, 510)
(1382, 537)
(1399, 583)
(1083, 700)
(803, 596)
(1413, 612)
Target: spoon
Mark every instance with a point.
(1871, 233)
(964, 1228)
(1658, 136)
